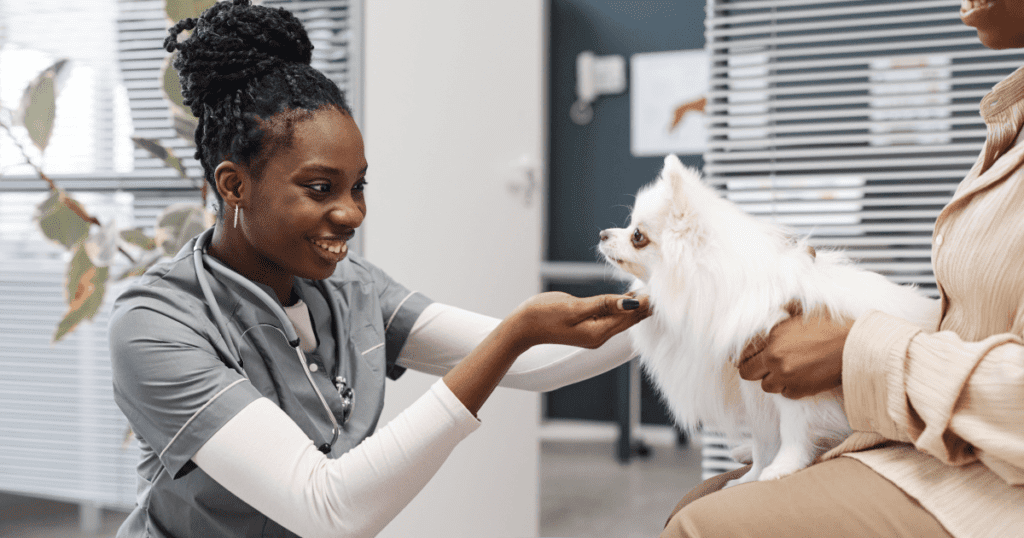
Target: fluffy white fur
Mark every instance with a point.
(718, 277)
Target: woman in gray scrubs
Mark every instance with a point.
(251, 366)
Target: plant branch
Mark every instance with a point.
(126, 255)
(24, 154)
(71, 204)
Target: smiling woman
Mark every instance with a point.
(258, 354)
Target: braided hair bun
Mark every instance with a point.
(241, 66)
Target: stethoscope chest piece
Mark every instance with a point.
(347, 397)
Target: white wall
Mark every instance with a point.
(453, 96)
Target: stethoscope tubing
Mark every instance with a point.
(201, 260)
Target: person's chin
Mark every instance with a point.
(1000, 42)
(320, 271)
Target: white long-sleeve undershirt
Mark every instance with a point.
(444, 334)
(262, 456)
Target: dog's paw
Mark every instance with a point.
(776, 471)
(743, 453)
(750, 476)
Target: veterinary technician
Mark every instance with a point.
(939, 413)
(252, 365)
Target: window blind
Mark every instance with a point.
(850, 121)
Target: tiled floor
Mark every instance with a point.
(585, 491)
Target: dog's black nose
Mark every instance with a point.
(605, 235)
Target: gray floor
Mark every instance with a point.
(585, 491)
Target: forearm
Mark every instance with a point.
(444, 335)
(263, 458)
(476, 376)
(953, 399)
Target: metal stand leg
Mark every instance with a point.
(628, 412)
(90, 517)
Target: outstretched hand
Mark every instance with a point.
(559, 318)
(800, 356)
(547, 318)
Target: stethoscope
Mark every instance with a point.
(200, 260)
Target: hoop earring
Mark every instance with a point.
(237, 211)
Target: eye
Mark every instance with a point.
(321, 188)
(639, 239)
(360, 186)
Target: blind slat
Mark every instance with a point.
(851, 121)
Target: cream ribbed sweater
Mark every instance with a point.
(941, 413)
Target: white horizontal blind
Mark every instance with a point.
(142, 27)
(61, 435)
(851, 121)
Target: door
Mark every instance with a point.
(454, 126)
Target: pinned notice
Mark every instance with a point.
(667, 99)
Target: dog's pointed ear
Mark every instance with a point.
(679, 178)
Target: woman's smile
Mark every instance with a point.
(334, 250)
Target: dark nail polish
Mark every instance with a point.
(630, 304)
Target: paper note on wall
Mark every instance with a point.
(667, 92)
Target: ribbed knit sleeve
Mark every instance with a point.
(957, 401)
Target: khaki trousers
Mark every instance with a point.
(836, 498)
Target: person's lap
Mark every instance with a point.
(840, 497)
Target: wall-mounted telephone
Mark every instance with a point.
(596, 75)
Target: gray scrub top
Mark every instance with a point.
(173, 383)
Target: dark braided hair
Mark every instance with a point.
(240, 69)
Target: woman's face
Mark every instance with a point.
(309, 201)
(1000, 23)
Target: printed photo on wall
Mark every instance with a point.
(667, 99)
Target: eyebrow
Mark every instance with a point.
(328, 170)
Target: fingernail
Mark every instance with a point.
(630, 304)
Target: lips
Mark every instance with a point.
(331, 249)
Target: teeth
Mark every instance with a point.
(338, 248)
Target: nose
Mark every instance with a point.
(348, 212)
(605, 235)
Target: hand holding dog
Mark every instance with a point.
(800, 357)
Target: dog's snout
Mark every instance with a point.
(605, 235)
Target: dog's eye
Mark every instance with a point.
(639, 239)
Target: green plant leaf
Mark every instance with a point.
(59, 222)
(171, 85)
(85, 285)
(137, 237)
(183, 9)
(38, 109)
(160, 152)
(178, 223)
(181, 116)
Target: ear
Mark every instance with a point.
(232, 183)
(679, 178)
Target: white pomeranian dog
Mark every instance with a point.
(717, 278)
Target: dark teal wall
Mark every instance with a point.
(593, 176)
